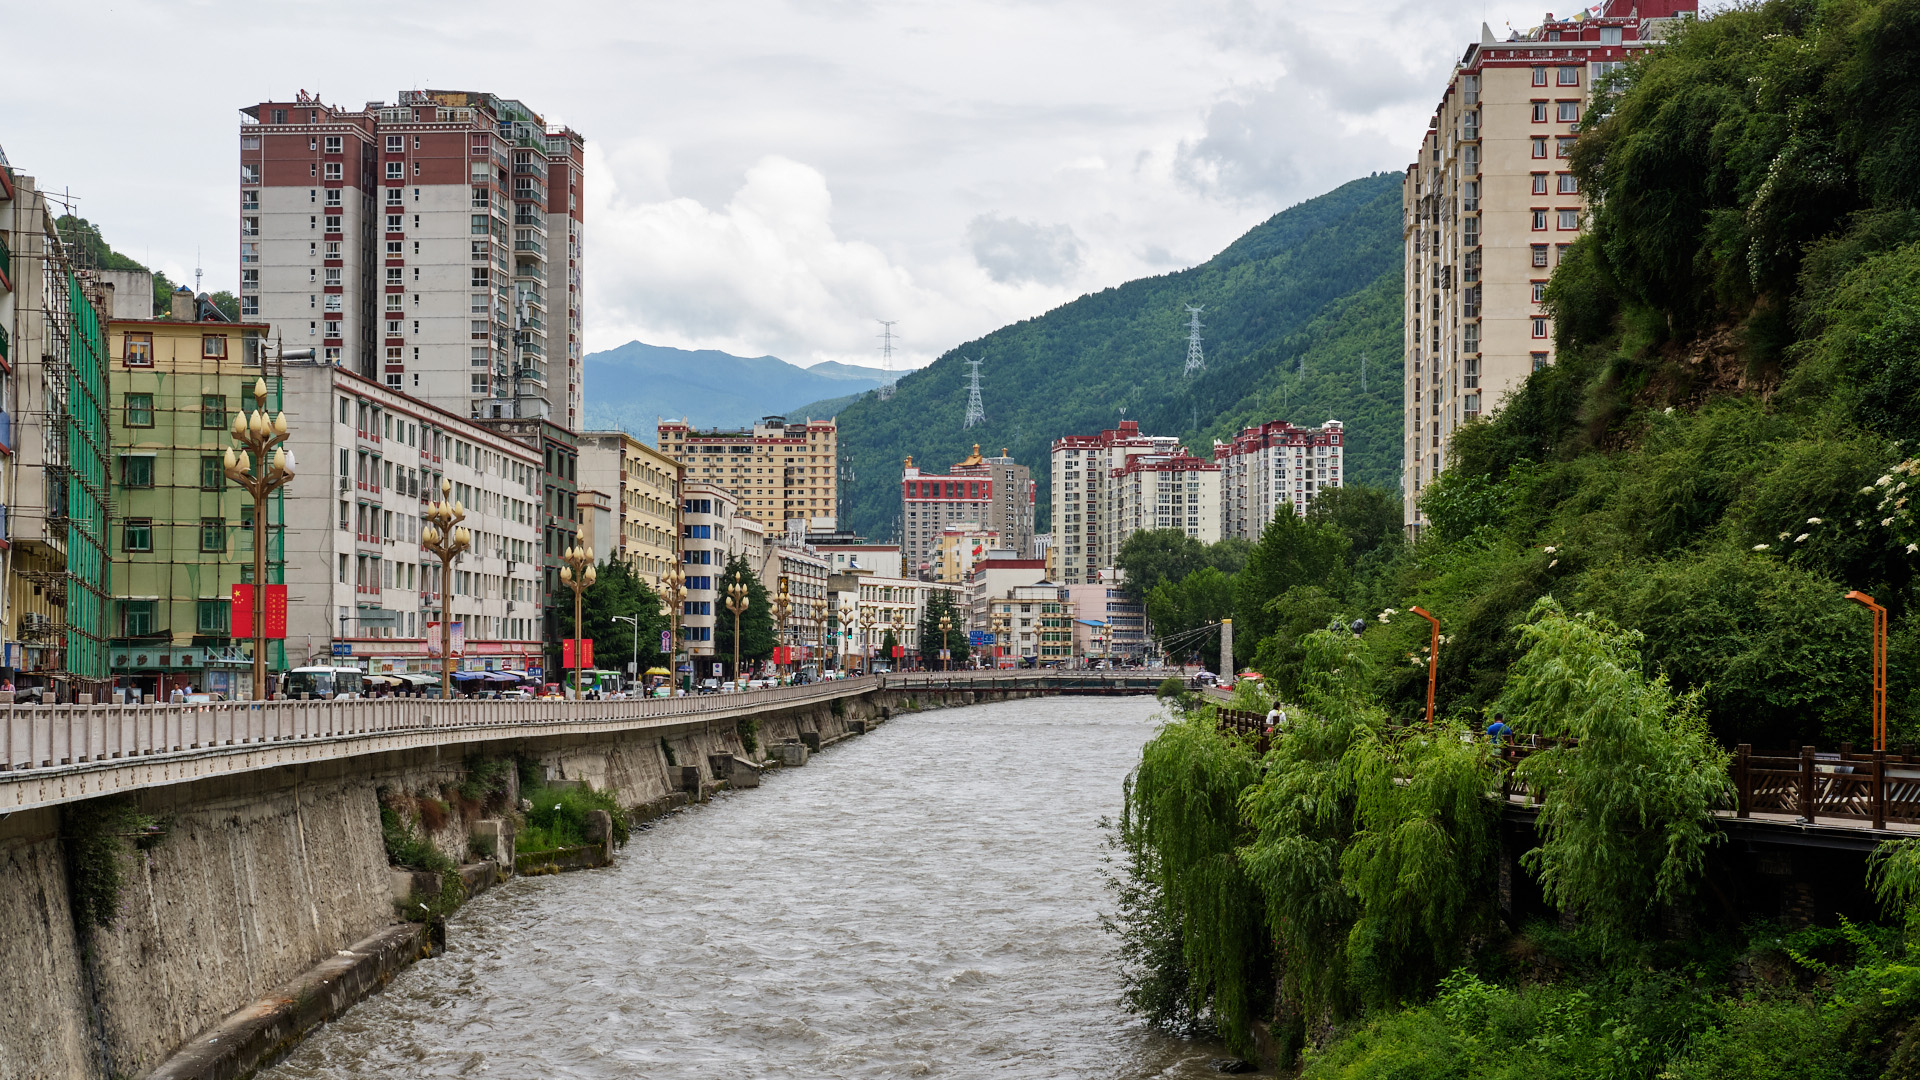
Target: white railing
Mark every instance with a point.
(40, 738)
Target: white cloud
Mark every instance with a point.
(1011, 250)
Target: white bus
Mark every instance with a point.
(323, 682)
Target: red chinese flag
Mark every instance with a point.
(566, 653)
(899, 651)
(241, 619)
(276, 612)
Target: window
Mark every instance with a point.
(136, 618)
(1539, 360)
(1539, 112)
(1569, 220)
(480, 384)
(395, 196)
(396, 144)
(136, 471)
(479, 280)
(1559, 253)
(213, 476)
(1539, 220)
(213, 534)
(333, 196)
(139, 409)
(1569, 76)
(333, 328)
(333, 222)
(333, 144)
(332, 171)
(214, 616)
(1568, 112)
(138, 535)
(1539, 183)
(1563, 146)
(1539, 291)
(213, 346)
(1539, 327)
(1539, 148)
(139, 350)
(1539, 254)
(213, 412)
(1539, 76)
(480, 197)
(396, 170)
(1569, 184)
(395, 222)
(1610, 35)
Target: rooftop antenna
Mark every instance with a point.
(886, 357)
(1195, 361)
(197, 271)
(976, 412)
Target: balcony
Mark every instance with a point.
(530, 247)
(6, 266)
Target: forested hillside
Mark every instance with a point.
(1643, 557)
(1319, 280)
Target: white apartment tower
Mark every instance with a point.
(1489, 208)
(1273, 465)
(433, 246)
(1083, 496)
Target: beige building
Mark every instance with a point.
(1084, 494)
(957, 551)
(643, 486)
(1490, 206)
(779, 472)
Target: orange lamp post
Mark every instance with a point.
(1433, 659)
(1879, 667)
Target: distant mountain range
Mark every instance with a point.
(632, 387)
(1302, 323)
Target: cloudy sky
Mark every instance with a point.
(772, 176)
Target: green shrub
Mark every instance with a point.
(405, 845)
(559, 818)
(99, 836)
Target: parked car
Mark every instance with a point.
(518, 693)
(708, 686)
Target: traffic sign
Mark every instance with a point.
(536, 673)
(343, 648)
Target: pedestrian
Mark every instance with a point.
(1498, 731)
(1276, 719)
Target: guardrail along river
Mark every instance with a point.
(919, 901)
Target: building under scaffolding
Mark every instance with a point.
(186, 533)
(54, 498)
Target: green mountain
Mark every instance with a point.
(1319, 281)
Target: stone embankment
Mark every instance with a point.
(259, 905)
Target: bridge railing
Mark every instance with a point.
(38, 737)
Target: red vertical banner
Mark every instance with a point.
(241, 619)
(566, 653)
(586, 646)
(276, 612)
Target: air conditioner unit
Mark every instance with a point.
(512, 566)
(346, 483)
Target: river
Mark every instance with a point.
(919, 901)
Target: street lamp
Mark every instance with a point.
(256, 435)
(820, 612)
(577, 575)
(782, 607)
(444, 537)
(1879, 667)
(673, 593)
(946, 642)
(635, 620)
(900, 631)
(1433, 659)
(738, 600)
(846, 637)
(867, 620)
(1002, 627)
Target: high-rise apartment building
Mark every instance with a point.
(1083, 496)
(979, 495)
(1489, 208)
(433, 245)
(643, 485)
(1163, 491)
(778, 471)
(1275, 464)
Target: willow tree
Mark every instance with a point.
(1627, 788)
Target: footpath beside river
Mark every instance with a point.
(922, 900)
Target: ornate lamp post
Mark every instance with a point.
(846, 636)
(738, 600)
(445, 538)
(782, 607)
(867, 619)
(1001, 628)
(820, 613)
(900, 631)
(946, 642)
(673, 593)
(260, 477)
(577, 575)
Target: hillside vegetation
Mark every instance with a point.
(1647, 548)
(1319, 280)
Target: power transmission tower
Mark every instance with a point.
(886, 356)
(976, 412)
(1195, 360)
